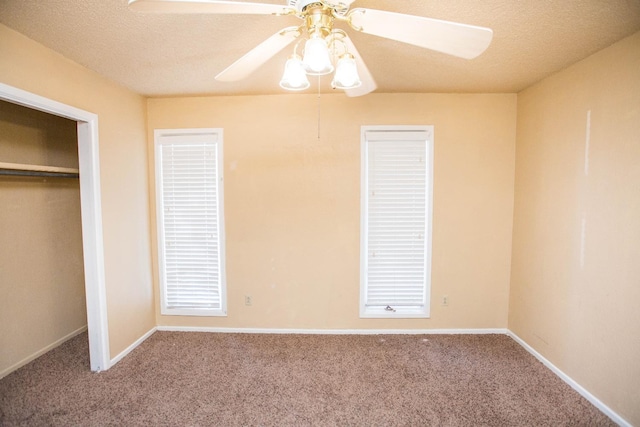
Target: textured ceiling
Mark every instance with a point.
(160, 55)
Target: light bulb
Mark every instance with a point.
(316, 56)
(346, 76)
(294, 77)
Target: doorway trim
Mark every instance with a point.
(91, 207)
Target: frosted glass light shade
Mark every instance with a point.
(316, 57)
(346, 76)
(294, 77)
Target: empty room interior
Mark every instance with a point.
(512, 155)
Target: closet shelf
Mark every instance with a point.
(17, 169)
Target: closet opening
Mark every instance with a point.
(51, 257)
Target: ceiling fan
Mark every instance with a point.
(325, 45)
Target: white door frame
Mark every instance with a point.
(90, 204)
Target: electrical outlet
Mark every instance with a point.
(445, 300)
(247, 300)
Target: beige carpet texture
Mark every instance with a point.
(207, 379)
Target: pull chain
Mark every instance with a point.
(318, 108)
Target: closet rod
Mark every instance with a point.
(18, 169)
(11, 172)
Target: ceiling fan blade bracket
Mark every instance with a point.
(339, 17)
(288, 30)
(339, 8)
(285, 12)
(349, 19)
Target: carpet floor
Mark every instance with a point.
(205, 379)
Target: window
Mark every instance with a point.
(396, 189)
(189, 204)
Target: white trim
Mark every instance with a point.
(40, 352)
(133, 346)
(332, 331)
(93, 245)
(574, 385)
(91, 214)
(40, 103)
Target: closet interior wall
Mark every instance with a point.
(41, 260)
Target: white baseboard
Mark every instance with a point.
(132, 347)
(40, 352)
(577, 387)
(332, 331)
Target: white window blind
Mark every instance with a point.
(396, 221)
(189, 194)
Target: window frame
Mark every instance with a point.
(395, 131)
(161, 138)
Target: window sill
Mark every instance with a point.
(192, 312)
(399, 313)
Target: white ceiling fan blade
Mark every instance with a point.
(368, 83)
(257, 56)
(208, 6)
(464, 41)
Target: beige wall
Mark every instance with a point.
(123, 161)
(575, 283)
(292, 205)
(41, 268)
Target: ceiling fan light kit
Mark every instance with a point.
(324, 45)
(295, 77)
(346, 76)
(316, 60)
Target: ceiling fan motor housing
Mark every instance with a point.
(340, 6)
(318, 20)
(300, 5)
